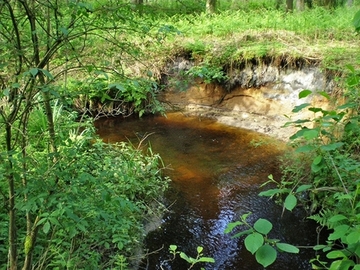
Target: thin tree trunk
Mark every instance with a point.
(289, 5)
(210, 6)
(300, 5)
(11, 203)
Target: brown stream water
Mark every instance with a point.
(216, 171)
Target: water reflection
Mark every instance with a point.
(216, 172)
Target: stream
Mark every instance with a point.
(216, 173)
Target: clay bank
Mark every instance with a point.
(255, 96)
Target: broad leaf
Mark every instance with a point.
(304, 93)
(287, 248)
(311, 134)
(339, 232)
(324, 94)
(356, 21)
(300, 107)
(342, 264)
(337, 218)
(266, 255)
(290, 202)
(263, 226)
(270, 192)
(305, 148)
(303, 188)
(353, 237)
(34, 71)
(335, 254)
(332, 146)
(46, 227)
(317, 160)
(253, 242)
(232, 225)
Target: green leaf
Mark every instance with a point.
(287, 248)
(317, 164)
(173, 247)
(46, 227)
(206, 259)
(324, 94)
(199, 249)
(343, 264)
(318, 247)
(337, 218)
(339, 232)
(245, 216)
(311, 134)
(266, 255)
(317, 160)
(186, 257)
(353, 237)
(304, 93)
(356, 21)
(64, 31)
(335, 254)
(243, 233)
(34, 71)
(300, 107)
(253, 242)
(303, 188)
(270, 192)
(290, 202)
(41, 221)
(6, 92)
(47, 74)
(263, 226)
(305, 148)
(332, 146)
(232, 225)
(350, 67)
(315, 110)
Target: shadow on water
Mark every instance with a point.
(216, 172)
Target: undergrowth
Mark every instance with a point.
(318, 34)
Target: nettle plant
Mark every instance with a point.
(207, 72)
(257, 241)
(328, 144)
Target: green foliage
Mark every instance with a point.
(257, 241)
(192, 261)
(208, 73)
(114, 95)
(96, 210)
(356, 21)
(330, 143)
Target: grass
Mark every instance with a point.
(320, 36)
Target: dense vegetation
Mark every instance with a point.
(71, 201)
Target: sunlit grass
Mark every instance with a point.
(320, 35)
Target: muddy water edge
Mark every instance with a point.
(216, 173)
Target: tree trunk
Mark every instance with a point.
(300, 5)
(11, 202)
(210, 6)
(289, 5)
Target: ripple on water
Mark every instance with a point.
(216, 172)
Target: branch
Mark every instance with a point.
(17, 36)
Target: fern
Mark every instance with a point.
(323, 217)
